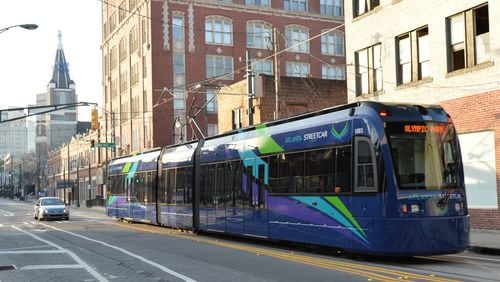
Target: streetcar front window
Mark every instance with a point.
(424, 154)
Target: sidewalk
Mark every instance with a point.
(485, 241)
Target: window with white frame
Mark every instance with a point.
(333, 72)
(332, 43)
(262, 66)
(219, 65)
(265, 3)
(297, 38)
(331, 7)
(237, 118)
(212, 129)
(258, 35)
(136, 136)
(413, 63)
(295, 5)
(179, 98)
(364, 6)
(297, 69)
(218, 30)
(368, 70)
(211, 100)
(470, 24)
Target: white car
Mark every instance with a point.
(50, 208)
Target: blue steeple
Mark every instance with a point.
(60, 75)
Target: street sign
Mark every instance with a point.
(106, 145)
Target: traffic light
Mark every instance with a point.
(92, 144)
(94, 120)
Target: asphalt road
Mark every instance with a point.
(92, 247)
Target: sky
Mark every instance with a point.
(27, 56)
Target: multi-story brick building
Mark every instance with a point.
(436, 52)
(165, 59)
(295, 96)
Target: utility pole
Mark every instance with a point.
(250, 88)
(276, 73)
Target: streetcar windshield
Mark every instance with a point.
(424, 154)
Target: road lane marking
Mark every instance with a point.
(53, 266)
(145, 260)
(6, 213)
(31, 252)
(70, 253)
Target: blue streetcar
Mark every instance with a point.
(373, 178)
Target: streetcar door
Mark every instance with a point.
(256, 220)
(234, 202)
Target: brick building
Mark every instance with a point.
(296, 96)
(162, 59)
(444, 53)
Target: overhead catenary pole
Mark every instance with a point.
(276, 73)
(250, 88)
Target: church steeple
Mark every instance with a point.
(60, 74)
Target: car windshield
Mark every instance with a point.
(424, 154)
(51, 202)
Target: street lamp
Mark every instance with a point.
(25, 26)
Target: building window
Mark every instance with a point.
(122, 11)
(133, 39)
(237, 118)
(112, 22)
(218, 30)
(219, 66)
(132, 4)
(136, 134)
(333, 72)
(211, 98)
(112, 56)
(123, 81)
(179, 98)
(114, 87)
(413, 63)
(259, 35)
(262, 66)
(469, 42)
(368, 70)
(212, 129)
(295, 5)
(297, 39)
(266, 3)
(297, 69)
(332, 43)
(135, 106)
(134, 74)
(122, 50)
(364, 6)
(331, 7)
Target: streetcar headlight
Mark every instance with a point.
(415, 209)
(458, 207)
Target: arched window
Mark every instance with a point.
(218, 30)
(297, 37)
(332, 43)
(259, 35)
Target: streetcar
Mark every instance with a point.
(368, 177)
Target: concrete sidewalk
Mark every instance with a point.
(485, 241)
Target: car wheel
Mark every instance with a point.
(67, 218)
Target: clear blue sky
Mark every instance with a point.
(27, 56)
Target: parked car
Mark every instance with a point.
(50, 208)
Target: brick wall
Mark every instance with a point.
(477, 113)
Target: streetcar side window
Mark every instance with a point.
(365, 177)
(343, 169)
(320, 168)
